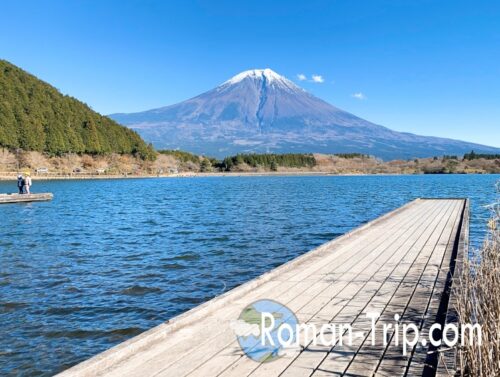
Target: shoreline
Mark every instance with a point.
(216, 174)
(180, 175)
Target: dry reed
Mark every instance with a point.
(478, 301)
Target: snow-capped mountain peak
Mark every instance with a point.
(256, 74)
(267, 75)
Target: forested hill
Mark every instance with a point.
(35, 116)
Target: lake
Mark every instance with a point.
(108, 259)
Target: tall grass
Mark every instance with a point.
(478, 301)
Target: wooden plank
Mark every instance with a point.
(405, 272)
(394, 363)
(364, 355)
(398, 306)
(426, 357)
(23, 198)
(447, 359)
(368, 357)
(365, 289)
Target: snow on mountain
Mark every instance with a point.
(258, 74)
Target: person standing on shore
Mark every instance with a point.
(27, 183)
(20, 183)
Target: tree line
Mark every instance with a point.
(269, 161)
(351, 155)
(475, 156)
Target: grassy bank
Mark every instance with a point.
(479, 302)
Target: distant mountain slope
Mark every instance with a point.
(37, 117)
(261, 111)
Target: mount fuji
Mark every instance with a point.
(261, 111)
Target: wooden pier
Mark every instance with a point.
(24, 198)
(401, 263)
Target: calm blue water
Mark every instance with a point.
(108, 259)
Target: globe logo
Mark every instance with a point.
(264, 329)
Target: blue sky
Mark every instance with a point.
(428, 67)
